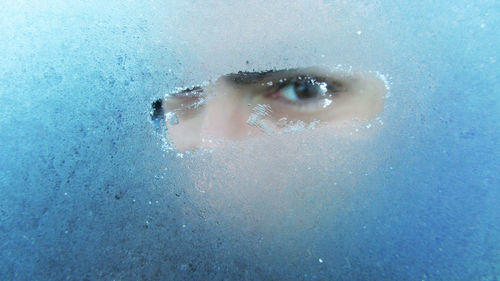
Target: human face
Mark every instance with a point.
(274, 166)
(269, 135)
(246, 104)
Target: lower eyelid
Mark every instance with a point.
(311, 107)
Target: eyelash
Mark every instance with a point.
(321, 93)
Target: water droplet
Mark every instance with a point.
(282, 122)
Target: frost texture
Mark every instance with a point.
(258, 118)
(87, 193)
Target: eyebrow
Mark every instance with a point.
(248, 77)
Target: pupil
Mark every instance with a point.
(306, 90)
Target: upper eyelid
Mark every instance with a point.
(332, 83)
(335, 85)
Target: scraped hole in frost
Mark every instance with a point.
(246, 104)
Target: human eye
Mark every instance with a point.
(312, 95)
(305, 93)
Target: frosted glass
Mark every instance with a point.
(90, 191)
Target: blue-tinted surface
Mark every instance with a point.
(86, 191)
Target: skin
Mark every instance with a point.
(240, 106)
(274, 189)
